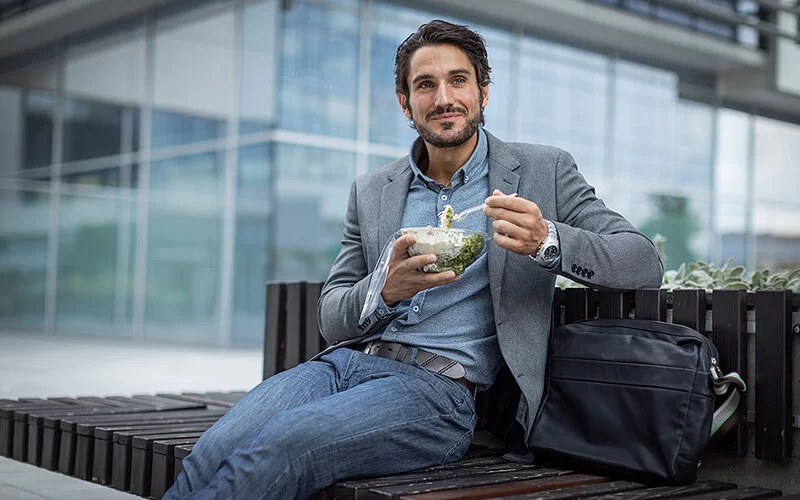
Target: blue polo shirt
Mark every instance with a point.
(454, 320)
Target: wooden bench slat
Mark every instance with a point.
(612, 305)
(729, 332)
(504, 489)
(577, 305)
(87, 446)
(7, 420)
(660, 492)
(558, 304)
(181, 452)
(295, 323)
(689, 309)
(314, 342)
(59, 439)
(163, 473)
(142, 457)
(212, 399)
(773, 426)
(122, 456)
(274, 327)
(739, 494)
(481, 466)
(581, 491)
(651, 304)
(475, 479)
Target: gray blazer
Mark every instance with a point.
(593, 238)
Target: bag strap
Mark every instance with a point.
(726, 417)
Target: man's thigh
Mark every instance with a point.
(396, 418)
(281, 392)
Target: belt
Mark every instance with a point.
(428, 360)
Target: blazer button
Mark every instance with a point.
(574, 268)
(579, 270)
(590, 275)
(584, 272)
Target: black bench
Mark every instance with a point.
(730, 317)
(138, 444)
(127, 443)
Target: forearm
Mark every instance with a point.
(339, 310)
(625, 260)
(345, 291)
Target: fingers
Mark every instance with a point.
(402, 243)
(510, 207)
(516, 245)
(518, 224)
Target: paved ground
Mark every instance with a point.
(34, 365)
(20, 481)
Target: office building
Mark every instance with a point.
(161, 160)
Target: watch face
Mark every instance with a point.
(550, 253)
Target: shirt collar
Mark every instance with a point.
(470, 168)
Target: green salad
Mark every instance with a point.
(455, 249)
(473, 244)
(446, 217)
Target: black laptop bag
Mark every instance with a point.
(633, 399)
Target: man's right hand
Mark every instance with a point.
(405, 279)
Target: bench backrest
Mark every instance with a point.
(727, 316)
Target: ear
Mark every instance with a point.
(485, 92)
(404, 105)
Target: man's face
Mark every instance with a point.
(444, 97)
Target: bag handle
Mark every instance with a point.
(726, 416)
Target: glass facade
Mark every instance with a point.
(157, 172)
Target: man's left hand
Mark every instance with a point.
(518, 223)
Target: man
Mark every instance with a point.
(401, 396)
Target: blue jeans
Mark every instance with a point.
(346, 415)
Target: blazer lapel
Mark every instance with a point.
(393, 202)
(502, 164)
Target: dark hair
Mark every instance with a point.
(438, 32)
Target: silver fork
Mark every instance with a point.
(460, 215)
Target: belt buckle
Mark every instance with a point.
(370, 345)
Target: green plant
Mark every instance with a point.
(707, 276)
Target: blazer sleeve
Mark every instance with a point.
(345, 291)
(599, 247)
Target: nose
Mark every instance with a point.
(444, 95)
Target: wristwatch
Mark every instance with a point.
(549, 250)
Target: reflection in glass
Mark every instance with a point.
(563, 102)
(252, 252)
(183, 248)
(185, 176)
(319, 71)
(37, 69)
(194, 66)
(26, 129)
(387, 125)
(776, 177)
(91, 130)
(95, 178)
(108, 63)
(376, 161)
(39, 108)
(681, 219)
(730, 185)
(656, 132)
(172, 129)
(23, 258)
(259, 65)
(312, 187)
(87, 257)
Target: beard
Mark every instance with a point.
(441, 140)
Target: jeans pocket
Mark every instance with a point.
(461, 446)
(445, 386)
